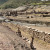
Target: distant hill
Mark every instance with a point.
(13, 3)
(3, 1)
(16, 3)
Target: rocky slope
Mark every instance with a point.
(10, 41)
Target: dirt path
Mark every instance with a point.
(10, 41)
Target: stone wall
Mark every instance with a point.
(27, 30)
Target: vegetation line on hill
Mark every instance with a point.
(15, 3)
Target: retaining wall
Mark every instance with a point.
(27, 30)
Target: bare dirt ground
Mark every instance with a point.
(10, 41)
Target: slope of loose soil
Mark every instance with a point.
(10, 41)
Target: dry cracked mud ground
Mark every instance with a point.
(10, 41)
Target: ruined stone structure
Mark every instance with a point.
(27, 30)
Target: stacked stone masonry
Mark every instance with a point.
(27, 30)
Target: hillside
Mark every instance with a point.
(15, 3)
(3, 1)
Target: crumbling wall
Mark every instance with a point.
(27, 30)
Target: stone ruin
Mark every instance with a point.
(37, 34)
